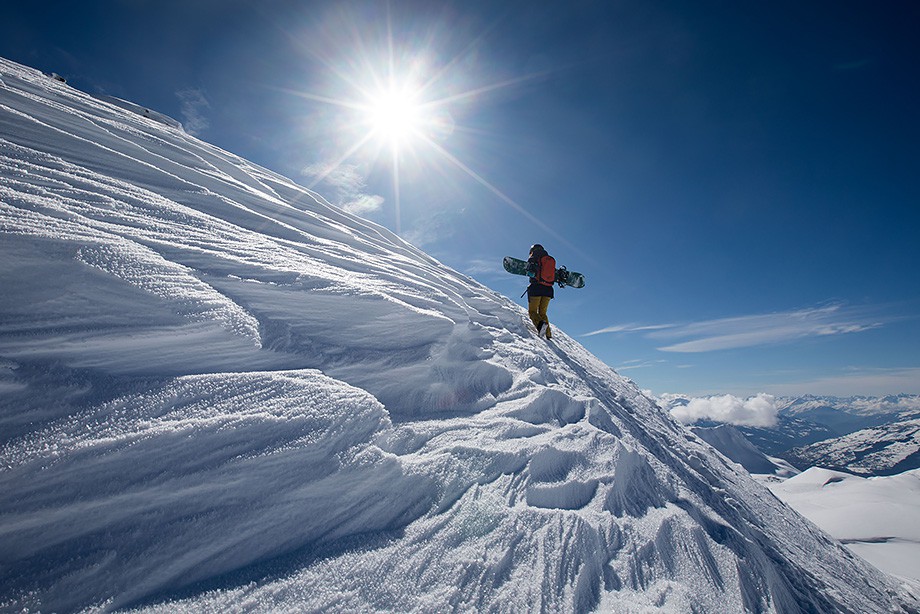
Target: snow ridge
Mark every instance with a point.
(221, 393)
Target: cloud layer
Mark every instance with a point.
(759, 410)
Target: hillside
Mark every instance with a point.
(221, 393)
(729, 441)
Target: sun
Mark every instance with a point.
(398, 102)
(396, 116)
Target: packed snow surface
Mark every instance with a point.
(220, 393)
(876, 517)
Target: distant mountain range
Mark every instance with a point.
(888, 449)
(808, 419)
(862, 435)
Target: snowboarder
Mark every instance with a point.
(541, 268)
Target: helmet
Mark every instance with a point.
(536, 248)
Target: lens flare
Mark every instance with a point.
(396, 101)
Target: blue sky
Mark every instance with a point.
(739, 182)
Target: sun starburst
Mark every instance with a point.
(398, 106)
(395, 115)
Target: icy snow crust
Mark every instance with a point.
(220, 393)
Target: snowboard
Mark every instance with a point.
(564, 277)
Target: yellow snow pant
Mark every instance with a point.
(537, 306)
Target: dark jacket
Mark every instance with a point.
(536, 288)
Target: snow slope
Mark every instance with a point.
(729, 441)
(221, 393)
(876, 517)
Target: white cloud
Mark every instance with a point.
(759, 410)
(483, 267)
(639, 364)
(767, 329)
(437, 226)
(347, 186)
(363, 204)
(755, 330)
(193, 107)
(345, 177)
(628, 328)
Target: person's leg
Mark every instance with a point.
(544, 307)
(533, 307)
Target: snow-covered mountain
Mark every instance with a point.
(734, 445)
(801, 421)
(220, 393)
(858, 405)
(844, 415)
(884, 450)
(787, 433)
(874, 517)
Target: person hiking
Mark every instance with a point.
(541, 268)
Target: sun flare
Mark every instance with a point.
(395, 115)
(398, 103)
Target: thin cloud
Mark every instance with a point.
(481, 266)
(855, 65)
(347, 187)
(639, 364)
(768, 329)
(755, 330)
(434, 227)
(364, 204)
(193, 108)
(344, 177)
(628, 328)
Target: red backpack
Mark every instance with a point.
(546, 270)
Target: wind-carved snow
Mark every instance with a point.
(199, 476)
(221, 393)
